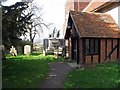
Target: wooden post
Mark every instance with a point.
(78, 58)
(105, 48)
(118, 53)
(83, 51)
(92, 59)
(99, 50)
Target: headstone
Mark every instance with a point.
(13, 51)
(19, 49)
(27, 49)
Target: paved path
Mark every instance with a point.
(57, 75)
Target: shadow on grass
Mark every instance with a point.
(15, 58)
(36, 53)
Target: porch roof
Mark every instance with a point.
(95, 5)
(97, 25)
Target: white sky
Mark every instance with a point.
(53, 12)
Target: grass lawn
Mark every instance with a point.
(25, 71)
(101, 76)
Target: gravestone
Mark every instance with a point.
(27, 49)
(13, 51)
(19, 49)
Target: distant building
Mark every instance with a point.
(53, 46)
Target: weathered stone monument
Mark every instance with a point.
(13, 51)
(53, 46)
(27, 49)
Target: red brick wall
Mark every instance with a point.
(83, 5)
(80, 5)
(76, 7)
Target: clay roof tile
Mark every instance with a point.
(95, 24)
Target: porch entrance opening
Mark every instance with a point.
(75, 50)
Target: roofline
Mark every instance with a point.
(100, 37)
(75, 25)
(100, 7)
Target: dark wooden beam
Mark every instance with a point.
(118, 53)
(72, 54)
(94, 45)
(92, 59)
(83, 52)
(111, 46)
(84, 59)
(78, 58)
(89, 45)
(105, 48)
(99, 49)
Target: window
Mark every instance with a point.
(91, 46)
(96, 45)
(87, 46)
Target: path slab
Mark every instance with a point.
(56, 77)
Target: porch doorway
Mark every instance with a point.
(75, 50)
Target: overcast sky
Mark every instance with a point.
(53, 12)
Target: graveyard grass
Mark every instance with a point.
(101, 76)
(25, 71)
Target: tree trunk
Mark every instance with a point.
(31, 45)
(3, 55)
(31, 40)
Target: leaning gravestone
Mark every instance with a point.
(13, 51)
(27, 49)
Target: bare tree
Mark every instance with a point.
(37, 23)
